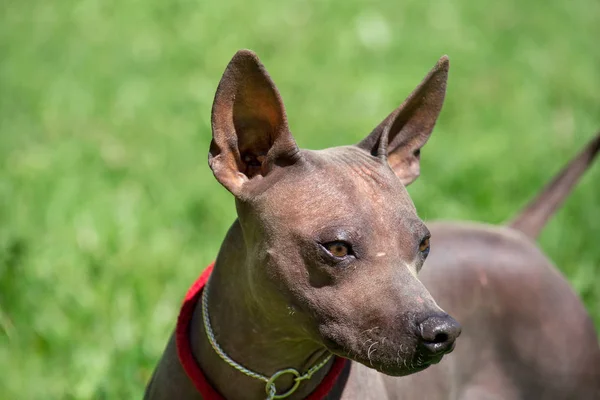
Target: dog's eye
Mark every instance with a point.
(424, 246)
(338, 249)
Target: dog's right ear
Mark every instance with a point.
(249, 125)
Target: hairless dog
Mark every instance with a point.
(317, 291)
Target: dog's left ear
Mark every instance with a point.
(402, 134)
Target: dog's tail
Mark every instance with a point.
(532, 219)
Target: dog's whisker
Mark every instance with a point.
(373, 351)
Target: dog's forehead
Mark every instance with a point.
(339, 183)
(350, 168)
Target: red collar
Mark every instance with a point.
(193, 371)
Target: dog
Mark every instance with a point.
(317, 291)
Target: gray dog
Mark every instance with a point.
(320, 268)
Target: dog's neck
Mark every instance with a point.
(262, 342)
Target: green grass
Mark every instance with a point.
(108, 209)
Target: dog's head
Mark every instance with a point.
(333, 234)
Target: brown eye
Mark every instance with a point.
(424, 246)
(337, 249)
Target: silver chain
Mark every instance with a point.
(270, 387)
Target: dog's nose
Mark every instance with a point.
(438, 334)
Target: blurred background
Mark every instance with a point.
(108, 210)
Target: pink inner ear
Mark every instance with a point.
(249, 124)
(406, 166)
(257, 117)
(256, 100)
(254, 142)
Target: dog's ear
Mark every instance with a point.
(402, 134)
(249, 125)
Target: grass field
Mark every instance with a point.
(108, 209)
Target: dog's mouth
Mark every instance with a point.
(404, 363)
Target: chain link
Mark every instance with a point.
(270, 387)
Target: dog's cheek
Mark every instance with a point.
(337, 338)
